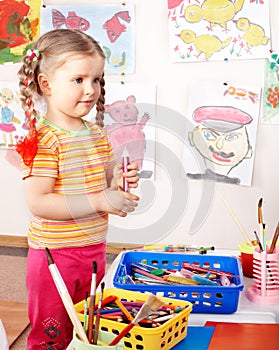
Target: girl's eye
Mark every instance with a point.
(78, 80)
(96, 80)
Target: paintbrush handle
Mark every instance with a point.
(91, 318)
(67, 301)
(274, 240)
(122, 334)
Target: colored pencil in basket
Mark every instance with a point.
(152, 303)
(92, 301)
(66, 298)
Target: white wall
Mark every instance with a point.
(160, 219)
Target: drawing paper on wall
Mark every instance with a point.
(221, 133)
(111, 25)
(13, 123)
(270, 100)
(129, 120)
(203, 30)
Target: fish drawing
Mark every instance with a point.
(113, 26)
(72, 21)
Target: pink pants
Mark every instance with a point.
(51, 328)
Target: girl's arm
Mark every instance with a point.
(44, 202)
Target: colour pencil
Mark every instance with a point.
(92, 302)
(152, 303)
(65, 296)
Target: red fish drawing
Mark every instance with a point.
(72, 21)
(113, 26)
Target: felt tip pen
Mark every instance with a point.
(125, 163)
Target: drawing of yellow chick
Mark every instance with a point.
(216, 12)
(254, 34)
(205, 43)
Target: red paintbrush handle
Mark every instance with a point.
(122, 334)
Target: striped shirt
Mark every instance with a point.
(78, 160)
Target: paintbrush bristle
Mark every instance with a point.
(260, 203)
(154, 302)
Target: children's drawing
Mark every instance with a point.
(127, 133)
(270, 99)
(19, 27)
(113, 26)
(217, 30)
(13, 124)
(72, 21)
(129, 121)
(221, 135)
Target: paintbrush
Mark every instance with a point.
(274, 240)
(152, 304)
(248, 241)
(260, 220)
(92, 302)
(97, 323)
(65, 296)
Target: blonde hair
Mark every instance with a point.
(53, 49)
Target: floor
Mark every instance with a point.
(12, 288)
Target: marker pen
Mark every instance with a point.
(125, 163)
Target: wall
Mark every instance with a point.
(173, 209)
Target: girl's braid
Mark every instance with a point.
(28, 86)
(100, 105)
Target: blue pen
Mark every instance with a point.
(203, 280)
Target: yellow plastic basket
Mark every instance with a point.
(164, 337)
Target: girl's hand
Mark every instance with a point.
(131, 176)
(118, 202)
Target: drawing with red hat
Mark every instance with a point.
(221, 139)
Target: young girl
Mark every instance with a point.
(71, 180)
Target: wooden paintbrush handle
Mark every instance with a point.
(274, 240)
(122, 334)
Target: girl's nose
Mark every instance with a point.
(89, 89)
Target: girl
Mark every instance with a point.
(71, 180)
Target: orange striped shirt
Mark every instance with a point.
(78, 161)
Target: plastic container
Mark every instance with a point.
(205, 299)
(104, 338)
(265, 289)
(164, 337)
(246, 258)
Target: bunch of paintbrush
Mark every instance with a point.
(65, 296)
(152, 304)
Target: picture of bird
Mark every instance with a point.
(254, 34)
(204, 43)
(216, 12)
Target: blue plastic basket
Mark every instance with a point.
(205, 299)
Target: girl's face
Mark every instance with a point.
(73, 89)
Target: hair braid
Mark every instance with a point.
(100, 105)
(28, 86)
